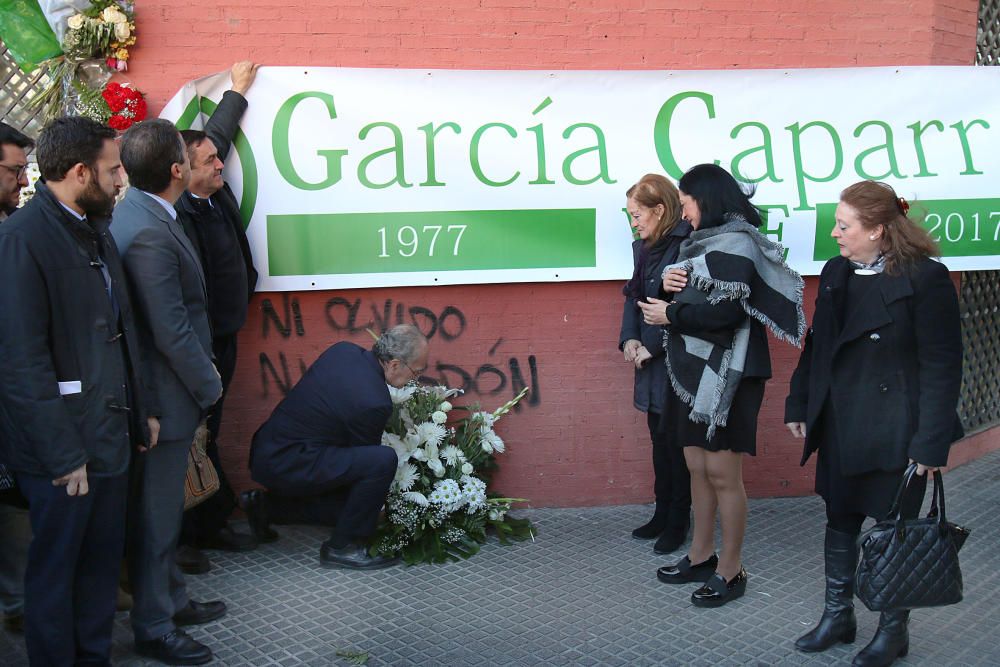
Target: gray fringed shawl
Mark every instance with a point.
(731, 262)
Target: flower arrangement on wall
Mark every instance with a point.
(95, 46)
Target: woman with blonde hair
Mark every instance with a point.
(654, 213)
(876, 388)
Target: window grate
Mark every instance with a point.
(979, 405)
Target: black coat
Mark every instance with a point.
(58, 325)
(651, 380)
(893, 370)
(221, 129)
(341, 401)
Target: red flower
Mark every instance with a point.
(127, 105)
(119, 123)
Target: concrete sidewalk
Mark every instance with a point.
(584, 593)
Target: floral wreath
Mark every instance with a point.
(95, 47)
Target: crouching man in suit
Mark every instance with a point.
(320, 453)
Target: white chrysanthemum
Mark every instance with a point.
(416, 498)
(430, 433)
(436, 467)
(490, 436)
(445, 406)
(406, 477)
(439, 417)
(467, 468)
(473, 492)
(452, 455)
(401, 394)
(447, 494)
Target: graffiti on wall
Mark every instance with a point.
(495, 374)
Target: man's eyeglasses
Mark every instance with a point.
(416, 373)
(19, 170)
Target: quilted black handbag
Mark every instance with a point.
(911, 563)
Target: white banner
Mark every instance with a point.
(380, 177)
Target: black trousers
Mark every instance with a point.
(350, 502)
(672, 482)
(203, 521)
(71, 582)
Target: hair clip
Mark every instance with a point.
(904, 206)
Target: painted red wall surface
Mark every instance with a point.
(577, 440)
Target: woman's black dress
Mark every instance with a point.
(870, 493)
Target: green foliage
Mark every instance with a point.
(354, 657)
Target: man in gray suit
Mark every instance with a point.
(168, 288)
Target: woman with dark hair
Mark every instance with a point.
(876, 388)
(654, 212)
(731, 283)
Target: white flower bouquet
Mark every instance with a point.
(438, 508)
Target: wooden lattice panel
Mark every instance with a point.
(15, 92)
(988, 34)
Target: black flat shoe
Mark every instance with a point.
(196, 613)
(253, 503)
(353, 557)
(717, 591)
(683, 572)
(652, 528)
(175, 648)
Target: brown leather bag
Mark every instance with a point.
(202, 479)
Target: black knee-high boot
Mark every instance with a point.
(838, 624)
(891, 641)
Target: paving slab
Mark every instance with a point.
(583, 593)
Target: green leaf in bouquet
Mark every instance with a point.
(354, 657)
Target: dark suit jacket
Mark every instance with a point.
(341, 401)
(893, 370)
(221, 129)
(168, 288)
(58, 325)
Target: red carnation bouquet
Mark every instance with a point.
(126, 104)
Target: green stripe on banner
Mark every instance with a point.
(248, 163)
(27, 34)
(961, 227)
(320, 244)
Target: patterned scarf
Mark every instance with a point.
(722, 264)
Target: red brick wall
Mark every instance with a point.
(579, 441)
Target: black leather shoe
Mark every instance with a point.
(196, 613)
(228, 539)
(252, 502)
(717, 591)
(683, 572)
(353, 557)
(175, 648)
(671, 539)
(192, 561)
(652, 528)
